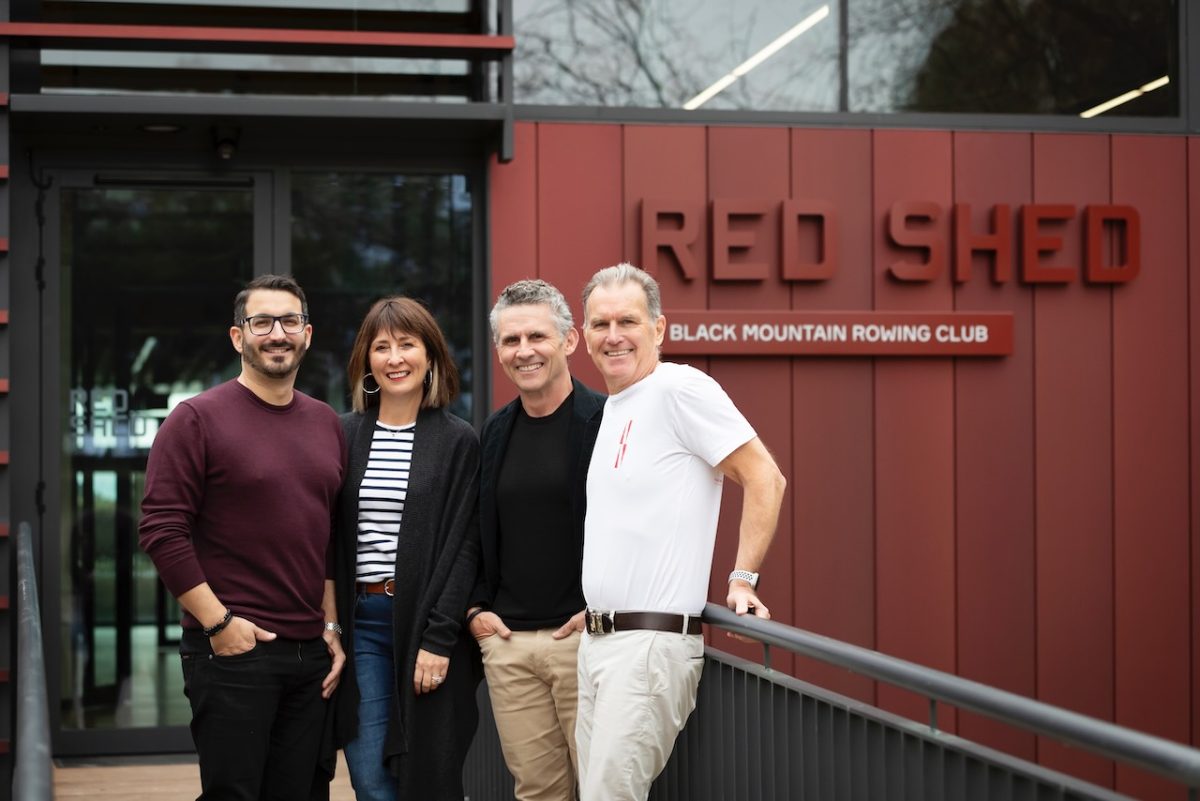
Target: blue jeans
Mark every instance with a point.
(376, 674)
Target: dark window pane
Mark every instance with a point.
(149, 277)
(1012, 56)
(970, 56)
(359, 236)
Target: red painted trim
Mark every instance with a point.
(499, 45)
(514, 238)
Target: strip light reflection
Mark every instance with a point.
(762, 55)
(1133, 94)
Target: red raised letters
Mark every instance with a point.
(677, 240)
(998, 241)
(913, 224)
(725, 239)
(825, 217)
(1129, 246)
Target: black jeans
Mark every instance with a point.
(257, 718)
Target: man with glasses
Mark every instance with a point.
(239, 491)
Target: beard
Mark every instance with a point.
(268, 365)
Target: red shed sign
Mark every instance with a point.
(1018, 244)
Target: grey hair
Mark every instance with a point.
(528, 292)
(626, 272)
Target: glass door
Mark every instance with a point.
(148, 268)
(147, 277)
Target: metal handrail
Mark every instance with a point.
(1164, 757)
(32, 780)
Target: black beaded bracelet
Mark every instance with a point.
(478, 611)
(218, 628)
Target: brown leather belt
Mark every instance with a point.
(379, 587)
(611, 622)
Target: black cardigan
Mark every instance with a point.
(436, 562)
(586, 411)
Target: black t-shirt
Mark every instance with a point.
(540, 550)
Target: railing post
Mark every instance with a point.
(32, 779)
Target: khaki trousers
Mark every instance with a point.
(532, 683)
(636, 690)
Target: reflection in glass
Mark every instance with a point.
(313, 70)
(977, 56)
(662, 54)
(359, 236)
(357, 5)
(148, 281)
(1011, 56)
(72, 71)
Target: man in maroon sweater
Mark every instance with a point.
(240, 487)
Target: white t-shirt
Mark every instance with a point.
(654, 493)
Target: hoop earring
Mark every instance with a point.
(428, 381)
(373, 381)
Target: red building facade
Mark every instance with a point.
(1024, 520)
(1020, 508)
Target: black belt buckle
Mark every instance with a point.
(598, 622)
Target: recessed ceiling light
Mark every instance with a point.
(162, 127)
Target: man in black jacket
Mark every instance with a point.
(526, 608)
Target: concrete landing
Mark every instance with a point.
(150, 779)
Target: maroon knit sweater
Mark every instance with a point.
(240, 493)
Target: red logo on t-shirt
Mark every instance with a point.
(624, 443)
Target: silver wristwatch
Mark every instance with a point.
(746, 576)
(334, 627)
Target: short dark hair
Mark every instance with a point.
(282, 283)
(400, 315)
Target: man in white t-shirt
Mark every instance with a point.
(669, 437)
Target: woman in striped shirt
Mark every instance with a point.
(406, 551)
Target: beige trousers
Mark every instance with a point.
(636, 690)
(532, 683)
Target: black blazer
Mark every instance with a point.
(587, 411)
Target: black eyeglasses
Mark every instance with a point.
(263, 324)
